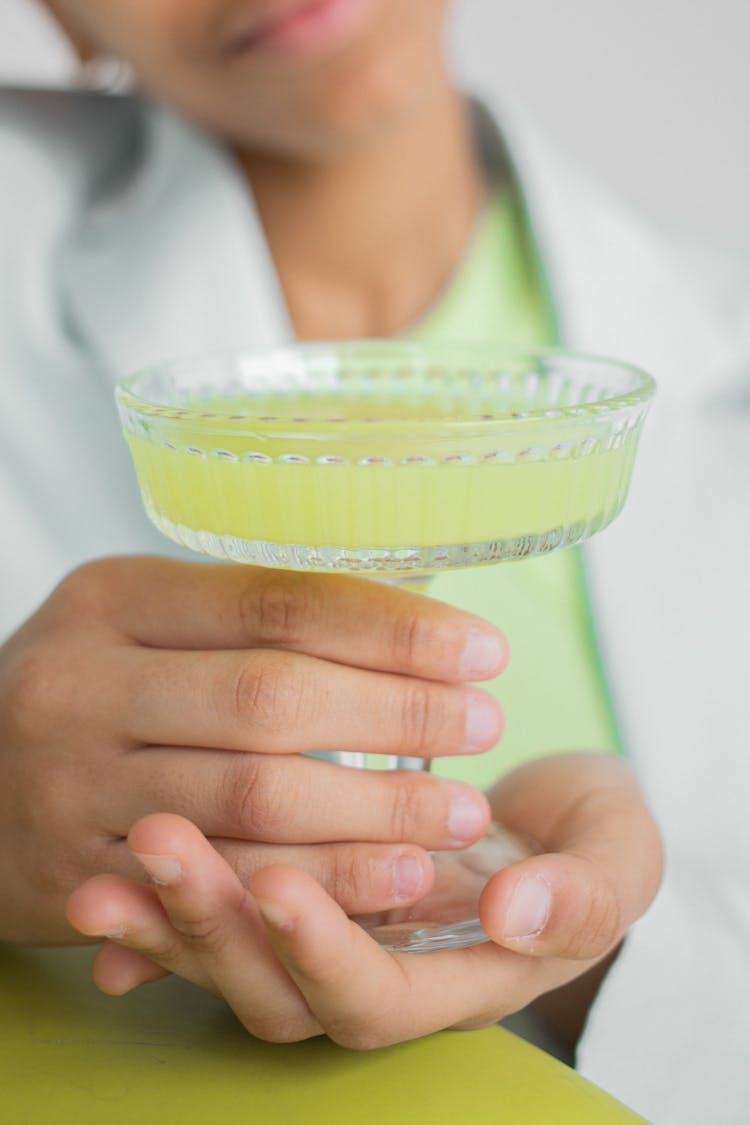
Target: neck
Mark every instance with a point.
(363, 243)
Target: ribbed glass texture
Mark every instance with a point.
(384, 456)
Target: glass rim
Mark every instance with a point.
(448, 354)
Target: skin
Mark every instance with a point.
(147, 685)
(321, 141)
(292, 965)
(201, 682)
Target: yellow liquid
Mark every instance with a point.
(414, 490)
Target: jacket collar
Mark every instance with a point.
(619, 286)
(169, 258)
(615, 284)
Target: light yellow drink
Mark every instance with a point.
(337, 480)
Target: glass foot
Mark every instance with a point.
(448, 917)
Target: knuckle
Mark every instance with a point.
(60, 869)
(84, 592)
(280, 1029)
(265, 694)
(601, 924)
(206, 933)
(348, 884)
(409, 798)
(163, 948)
(410, 637)
(364, 1035)
(272, 608)
(422, 718)
(254, 801)
(33, 692)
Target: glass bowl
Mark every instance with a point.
(384, 456)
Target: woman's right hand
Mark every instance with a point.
(147, 685)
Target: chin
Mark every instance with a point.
(314, 108)
(353, 118)
(346, 107)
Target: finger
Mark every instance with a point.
(166, 604)
(365, 997)
(277, 702)
(556, 905)
(118, 970)
(341, 972)
(363, 879)
(190, 924)
(294, 799)
(130, 914)
(218, 923)
(601, 867)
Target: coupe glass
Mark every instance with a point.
(394, 460)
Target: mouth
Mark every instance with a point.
(299, 27)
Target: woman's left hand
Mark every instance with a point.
(292, 965)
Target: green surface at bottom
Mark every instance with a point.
(171, 1053)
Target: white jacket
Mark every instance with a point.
(125, 238)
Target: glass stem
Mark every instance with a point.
(401, 762)
(351, 758)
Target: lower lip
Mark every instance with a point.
(312, 26)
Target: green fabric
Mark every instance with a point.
(553, 692)
(171, 1053)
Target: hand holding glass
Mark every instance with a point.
(395, 460)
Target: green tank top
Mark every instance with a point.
(553, 692)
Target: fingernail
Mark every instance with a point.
(482, 656)
(114, 932)
(276, 914)
(482, 724)
(165, 870)
(529, 908)
(466, 819)
(408, 877)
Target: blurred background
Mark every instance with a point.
(651, 96)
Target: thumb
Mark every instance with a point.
(557, 905)
(600, 866)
